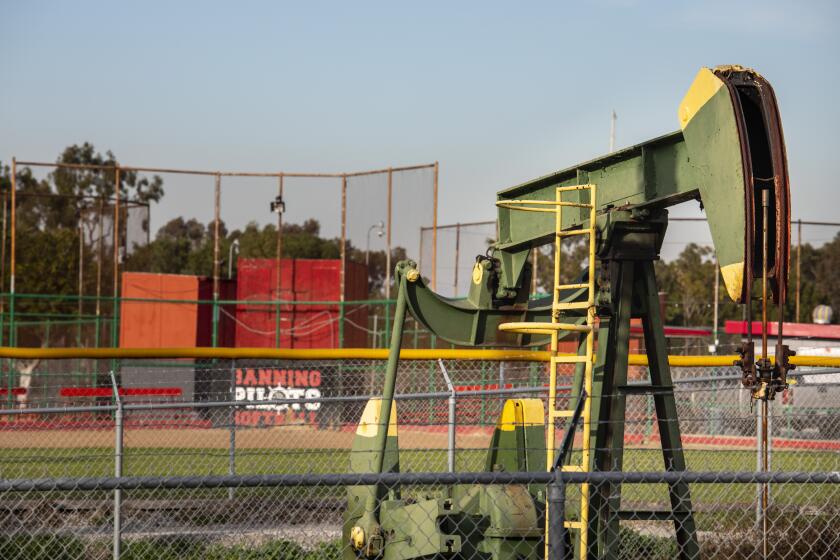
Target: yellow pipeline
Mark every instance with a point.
(269, 353)
(360, 354)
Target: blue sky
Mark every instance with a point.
(498, 92)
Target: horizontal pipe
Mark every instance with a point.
(268, 353)
(363, 354)
(803, 222)
(223, 173)
(393, 479)
(244, 302)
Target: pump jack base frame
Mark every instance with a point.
(628, 271)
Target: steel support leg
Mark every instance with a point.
(614, 406)
(666, 414)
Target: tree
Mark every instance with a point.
(180, 247)
(688, 282)
(69, 195)
(186, 247)
(819, 268)
(58, 221)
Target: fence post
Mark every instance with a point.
(232, 427)
(501, 384)
(769, 448)
(450, 451)
(118, 463)
(556, 518)
(758, 436)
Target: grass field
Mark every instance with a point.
(151, 461)
(169, 461)
(182, 524)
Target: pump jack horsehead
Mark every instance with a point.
(729, 154)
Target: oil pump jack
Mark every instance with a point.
(729, 155)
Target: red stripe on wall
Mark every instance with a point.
(126, 392)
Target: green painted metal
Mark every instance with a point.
(656, 172)
(705, 161)
(393, 363)
(495, 522)
(520, 448)
(461, 322)
(369, 520)
(713, 141)
(633, 293)
(341, 314)
(214, 334)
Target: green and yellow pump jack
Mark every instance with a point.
(729, 155)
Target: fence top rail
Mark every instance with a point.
(461, 225)
(362, 354)
(243, 302)
(224, 173)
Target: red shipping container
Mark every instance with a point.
(184, 323)
(300, 325)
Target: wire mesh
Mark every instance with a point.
(457, 247)
(261, 418)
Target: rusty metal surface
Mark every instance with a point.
(765, 167)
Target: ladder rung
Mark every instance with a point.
(570, 233)
(562, 413)
(644, 389)
(569, 359)
(571, 286)
(572, 305)
(543, 328)
(573, 524)
(575, 188)
(571, 468)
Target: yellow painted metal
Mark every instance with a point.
(555, 327)
(521, 412)
(272, 354)
(543, 328)
(357, 537)
(569, 306)
(372, 419)
(568, 359)
(21, 353)
(706, 84)
(733, 279)
(548, 206)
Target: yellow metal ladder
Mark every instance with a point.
(554, 328)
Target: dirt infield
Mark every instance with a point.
(309, 437)
(281, 437)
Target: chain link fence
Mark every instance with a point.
(238, 459)
(454, 248)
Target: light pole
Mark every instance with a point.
(380, 226)
(234, 245)
(278, 206)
